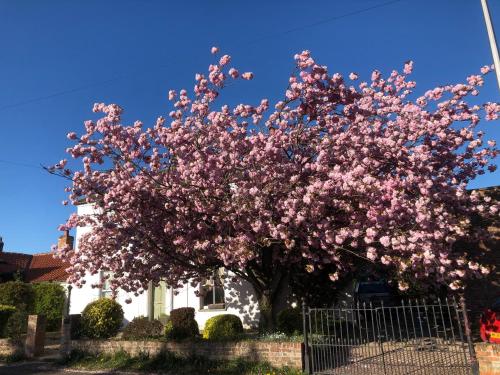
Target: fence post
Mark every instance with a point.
(307, 362)
(472, 352)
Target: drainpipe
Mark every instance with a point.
(151, 300)
(171, 298)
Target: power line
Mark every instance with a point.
(326, 20)
(19, 164)
(100, 83)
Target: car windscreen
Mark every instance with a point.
(375, 288)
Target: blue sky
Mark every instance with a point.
(59, 57)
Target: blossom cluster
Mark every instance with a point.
(338, 171)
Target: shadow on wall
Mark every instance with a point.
(240, 297)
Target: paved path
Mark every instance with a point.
(40, 368)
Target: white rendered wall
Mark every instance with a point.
(239, 296)
(80, 297)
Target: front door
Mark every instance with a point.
(159, 300)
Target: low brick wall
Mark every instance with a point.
(488, 356)
(278, 354)
(10, 347)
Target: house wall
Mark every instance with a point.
(240, 299)
(80, 297)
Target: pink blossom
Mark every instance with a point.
(329, 176)
(214, 50)
(247, 75)
(233, 73)
(224, 60)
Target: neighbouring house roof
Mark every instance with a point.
(44, 267)
(32, 267)
(13, 262)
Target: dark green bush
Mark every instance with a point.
(289, 321)
(102, 318)
(21, 296)
(142, 328)
(75, 321)
(49, 301)
(224, 326)
(5, 313)
(182, 324)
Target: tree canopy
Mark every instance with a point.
(336, 172)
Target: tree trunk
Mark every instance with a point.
(267, 321)
(268, 278)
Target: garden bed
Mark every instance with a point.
(165, 362)
(277, 354)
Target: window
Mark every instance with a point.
(106, 284)
(212, 291)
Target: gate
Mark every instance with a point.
(413, 337)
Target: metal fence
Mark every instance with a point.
(412, 337)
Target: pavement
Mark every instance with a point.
(44, 368)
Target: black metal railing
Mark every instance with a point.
(411, 337)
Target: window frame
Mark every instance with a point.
(210, 286)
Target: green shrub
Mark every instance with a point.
(224, 326)
(168, 329)
(164, 318)
(49, 301)
(21, 296)
(182, 324)
(102, 318)
(5, 313)
(76, 330)
(142, 328)
(289, 321)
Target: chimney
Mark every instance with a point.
(1, 244)
(65, 240)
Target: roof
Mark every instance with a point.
(35, 268)
(44, 267)
(12, 262)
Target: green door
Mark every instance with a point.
(159, 300)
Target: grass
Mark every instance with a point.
(170, 364)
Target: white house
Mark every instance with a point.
(221, 295)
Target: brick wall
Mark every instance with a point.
(278, 354)
(488, 356)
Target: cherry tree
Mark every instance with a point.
(337, 173)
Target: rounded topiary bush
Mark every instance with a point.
(142, 328)
(289, 321)
(225, 326)
(6, 312)
(182, 324)
(101, 318)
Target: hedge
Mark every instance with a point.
(224, 326)
(22, 297)
(101, 319)
(5, 313)
(49, 301)
(181, 324)
(142, 328)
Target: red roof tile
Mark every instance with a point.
(35, 268)
(12, 262)
(44, 267)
